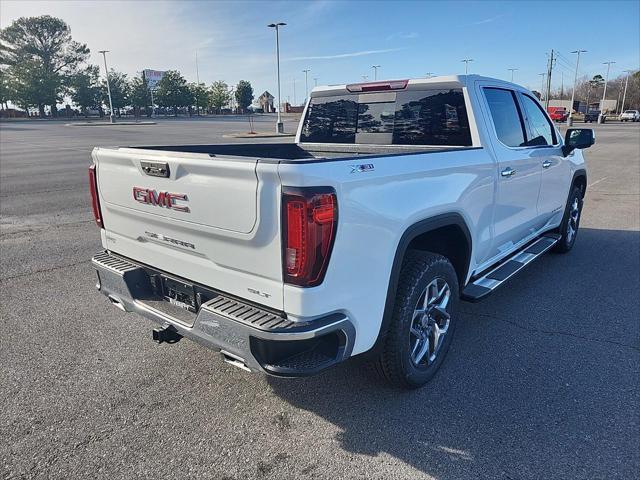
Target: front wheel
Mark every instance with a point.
(423, 323)
(570, 222)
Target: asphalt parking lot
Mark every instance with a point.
(542, 379)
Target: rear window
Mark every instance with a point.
(428, 117)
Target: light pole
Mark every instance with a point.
(626, 83)
(375, 71)
(512, 70)
(573, 92)
(198, 83)
(466, 64)
(279, 125)
(315, 81)
(543, 75)
(112, 119)
(306, 84)
(601, 117)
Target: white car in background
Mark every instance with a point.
(633, 115)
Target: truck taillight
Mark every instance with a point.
(309, 221)
(95, 201)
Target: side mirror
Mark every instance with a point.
(577, 138)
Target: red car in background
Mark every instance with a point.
(558, 114)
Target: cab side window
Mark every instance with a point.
(541, 129)
(506, 116)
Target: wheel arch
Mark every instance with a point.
(429, 235)
(580, 179)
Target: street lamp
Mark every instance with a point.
(466, 64)
(601, 117)
(279, 125)
(112, 119)
(375, 71)
(306, 84)
(512, 70)
(573, 92)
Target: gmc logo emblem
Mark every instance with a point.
(161, 199)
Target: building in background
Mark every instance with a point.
(266, 102)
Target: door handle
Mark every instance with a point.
(546, 164)
(508, 172)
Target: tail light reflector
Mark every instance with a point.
(309, 221)
(95, 201)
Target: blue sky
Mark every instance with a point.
(339, 41)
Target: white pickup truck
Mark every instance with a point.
(398, 199)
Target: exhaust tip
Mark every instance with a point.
(234, 360)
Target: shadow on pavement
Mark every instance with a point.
(540, 381)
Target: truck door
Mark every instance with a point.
(518, 171)
(543, 138)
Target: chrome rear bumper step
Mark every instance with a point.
(484, 285)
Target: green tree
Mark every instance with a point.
(200, 94)
(173, 92)
(4, 89)
(119, 85)
(28, 85)
(244, 94)
(139, 95)
(220, 96)
(85, 89)
(44, 43)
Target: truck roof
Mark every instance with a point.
(451, 81)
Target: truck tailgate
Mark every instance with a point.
(214, 221)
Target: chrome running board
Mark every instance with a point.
(482, 286)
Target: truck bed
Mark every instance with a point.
(297, 152)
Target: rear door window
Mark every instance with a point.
(541, 131)
(506, 116)
(427, 117)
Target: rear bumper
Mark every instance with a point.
(248, 336)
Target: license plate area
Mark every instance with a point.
(180, 294)
(176, 298)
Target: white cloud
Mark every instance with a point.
(345, 55)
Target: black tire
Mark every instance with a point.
(567, 240)
(395, 363)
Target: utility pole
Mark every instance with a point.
(626, 84)
(375, 71)
(294, 90)
(549, 70)
(306, 84)
(466, 64)
(561, 85)
(573, 92)
(512, 70)
(601, 117)
(543, 75)
(279, 124)
(112, 119)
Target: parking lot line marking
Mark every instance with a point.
(596, 182)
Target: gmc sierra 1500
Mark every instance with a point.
(398, 199)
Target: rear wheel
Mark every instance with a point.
(570, 222)
(423, 323)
